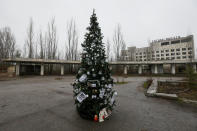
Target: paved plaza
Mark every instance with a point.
(46, 104)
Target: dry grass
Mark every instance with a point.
(182, 90)
(59, 78)
(147, 83)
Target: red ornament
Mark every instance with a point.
(103, 117)
(95, 118)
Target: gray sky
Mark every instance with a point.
(140, 19)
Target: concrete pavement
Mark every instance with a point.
(46, 104)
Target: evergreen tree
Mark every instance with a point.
(93, 93)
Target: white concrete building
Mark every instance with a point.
(177, 48)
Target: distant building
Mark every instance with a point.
(177, 48)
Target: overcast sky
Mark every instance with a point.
(140, 19)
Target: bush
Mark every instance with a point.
(191, 77)
(147, 83)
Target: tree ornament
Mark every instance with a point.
(95, 118)
(93, 85)
(93, 96)
(113, 98)
(76, 91)
(100, 72)
(103, 114)
(79, 72)
(95, 91)
(88, 73)
(81, 96)
(102, 78)
(89, 62)
(83, 78)
(102, 92)
(94, 75)
(109, 86)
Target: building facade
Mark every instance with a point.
(177, 48)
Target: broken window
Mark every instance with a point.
(178, 49)
(164, 43)
(175, 42)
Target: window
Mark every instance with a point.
(184, 57)
(167, 58)
(183, 49)
(140, 53)
(175, 42)
(183, 53)
(157, 51)
(167, 50)
(136, 53)
(167, 54)
(190, 48)
(172, 53)
(178, 57)
(164, 43)
(178, 53)
(178, 49)
(158, 55)
(190, 52)
(162, 51)
(173, 58)
(172, 50)
(162, 58)
(162, 54)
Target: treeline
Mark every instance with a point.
(44, 45)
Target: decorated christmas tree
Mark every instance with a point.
(93, 93)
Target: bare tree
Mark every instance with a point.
(51, 40)
(71, 41)
(7, 43)
(29, 43)
(59, 55)
(118, 42)
(17, 53)
(42, 45)
(36, 50)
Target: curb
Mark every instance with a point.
(167, 96)
(188, 101)
(152, 92)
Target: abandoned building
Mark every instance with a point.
(177, 48)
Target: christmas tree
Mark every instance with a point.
(93, 93)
